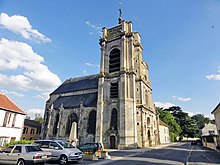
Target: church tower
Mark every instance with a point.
(126, 116)
(123, 89)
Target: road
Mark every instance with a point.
(175, 154)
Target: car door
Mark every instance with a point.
(15, 154)
(55, 149)
(5, 156)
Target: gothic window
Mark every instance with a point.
(92, 122)
(114, 60)
(72, 118)
(56, 124)
(114, 120)
(114, 90)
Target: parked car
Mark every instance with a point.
(91, 147)
(24, 154)
(61, 150)
(194, 143)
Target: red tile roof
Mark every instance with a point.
(7, 104)
(164, 124)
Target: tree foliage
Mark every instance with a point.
(169, 119)
(188, 125)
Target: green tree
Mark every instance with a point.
(169, 119)
(188, 125)
(39, 118)
(201, 120)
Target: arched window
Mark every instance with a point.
(72, 118)
(114, 120)
(114, 60)
(56, 124)
(92, 122)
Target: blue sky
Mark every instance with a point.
(42, 43)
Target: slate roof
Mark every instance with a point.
(74, 101)
(7, 104)
(76, 84)
(32, 123)
(216, 108)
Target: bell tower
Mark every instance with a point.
(116, 125)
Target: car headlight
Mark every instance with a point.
(73, 154)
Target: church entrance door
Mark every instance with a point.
(112, 142)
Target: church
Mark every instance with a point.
(113, 107)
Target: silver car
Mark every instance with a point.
(24, 154)
(61, 150)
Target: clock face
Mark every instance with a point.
(114, 32)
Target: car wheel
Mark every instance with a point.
(63, 159)
(21, 162)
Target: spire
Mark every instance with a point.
(120, 16)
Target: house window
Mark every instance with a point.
(38, 131)
(32, 131)
(114, 90)
(24, 130)
(5, 119)
(114, 60)
(14, 120)
(92, 122)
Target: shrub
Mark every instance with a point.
(19, 142)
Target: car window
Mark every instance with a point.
(17, 149)
(53, 145)
(65, 144)
(44, 144)
(32, 148)
(8, 150)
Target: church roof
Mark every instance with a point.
(74, 101)
(76, 84)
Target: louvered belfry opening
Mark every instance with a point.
(114, 90)
(114, 60)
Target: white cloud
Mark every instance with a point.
(43, 95)
(34, 75)
(84, 72)
(33, 112)
(182, 99)
(214, 76)
(92, 65)
(96, 28)
(163, 105)
(12, 93)
(20, 25)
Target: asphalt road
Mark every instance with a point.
(175, 154)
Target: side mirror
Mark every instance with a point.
(56, 148)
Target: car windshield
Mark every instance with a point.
(65, 144)
(32, 148)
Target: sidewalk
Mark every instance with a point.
(142, 149)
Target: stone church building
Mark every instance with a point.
(114, 107)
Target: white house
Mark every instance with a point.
(11, 120)
(210, 136)
(216, 113)
(164, 133)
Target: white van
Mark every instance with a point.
(61, 150)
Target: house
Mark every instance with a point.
(210, 136)
(164, 133)
(11, 120)
(216, 113)
(31, 130)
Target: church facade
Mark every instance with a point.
(114, 107)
